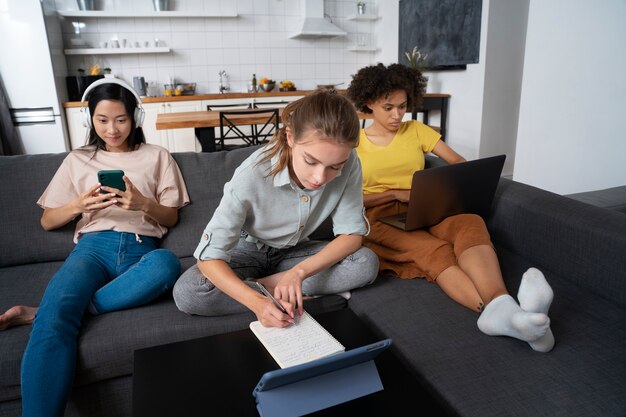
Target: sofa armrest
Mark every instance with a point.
(613, 198)
(582, 243)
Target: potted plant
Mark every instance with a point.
(81, 72)
(416, 59)
(107, 72)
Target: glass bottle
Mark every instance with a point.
(253, 82)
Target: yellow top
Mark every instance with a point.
(391, 167)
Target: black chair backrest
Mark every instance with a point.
(219, 144)
(230, 128)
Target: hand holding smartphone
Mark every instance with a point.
(111, 178)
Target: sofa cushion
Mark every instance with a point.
(205, 184)
(19, 285)
(29, 175)
(24, 179)
(479, 375)
(107, 342)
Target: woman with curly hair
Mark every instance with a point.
(456, 254)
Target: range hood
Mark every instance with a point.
(314, 25)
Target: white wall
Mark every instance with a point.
(504, 60)
(572, 123)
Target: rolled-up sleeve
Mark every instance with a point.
(222, 232)
(348, 215)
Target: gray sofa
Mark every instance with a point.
(580, 248)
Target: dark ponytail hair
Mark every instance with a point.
(330, 115)
(111, 91)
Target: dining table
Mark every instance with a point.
(204, 119)
(204, 123)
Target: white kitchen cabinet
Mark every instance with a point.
(154, 136)
(263, 102)
(75, 128)
(175, 140)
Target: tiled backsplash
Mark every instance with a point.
(256, 41)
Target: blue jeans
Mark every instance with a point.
(106, 271)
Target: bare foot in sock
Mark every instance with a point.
(535, 295)
(504, 317)
(16, 316)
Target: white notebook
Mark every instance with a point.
(302, 342)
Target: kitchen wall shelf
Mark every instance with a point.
(115, 51)
(362, 17)
(98, 13)
(363, 49)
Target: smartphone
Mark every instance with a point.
(111, 178)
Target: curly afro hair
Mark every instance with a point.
(378, 81)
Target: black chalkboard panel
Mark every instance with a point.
(448, 31)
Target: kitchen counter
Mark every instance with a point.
(214, 96)
(217, 96)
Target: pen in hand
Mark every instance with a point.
(275, 301)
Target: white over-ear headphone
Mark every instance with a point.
(86, 116)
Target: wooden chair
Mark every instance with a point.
(262, 138)
(231, 129)
(437, 104)
(207, 135)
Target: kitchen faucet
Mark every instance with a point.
(223, 82)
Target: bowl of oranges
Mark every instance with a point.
(267, 84)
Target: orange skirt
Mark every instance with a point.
(423, 253)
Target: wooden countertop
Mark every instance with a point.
(216, 96)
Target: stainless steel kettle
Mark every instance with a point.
(139, 84)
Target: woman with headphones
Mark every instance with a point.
(116, 263)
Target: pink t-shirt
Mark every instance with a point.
(150, 168)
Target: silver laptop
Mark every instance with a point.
(440, 192)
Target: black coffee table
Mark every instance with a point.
(215, 376)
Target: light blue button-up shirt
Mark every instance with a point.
(275, 212)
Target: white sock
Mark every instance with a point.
(535, 295)
(504, 317)
(345, 294)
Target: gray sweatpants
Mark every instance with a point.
(195, 294)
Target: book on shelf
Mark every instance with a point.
(304, 341)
